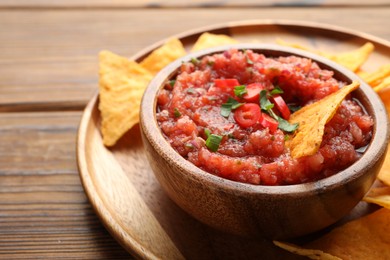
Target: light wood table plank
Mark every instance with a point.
(44, 212)
(48, 59)
(183, 4)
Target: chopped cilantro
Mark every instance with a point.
(286, 126)
(293, 108)
(276, 90)
(227, 107)
(176, 112)
(195, 61)
(172, 82)
(240, 90)
(191, 90)
(265, 104)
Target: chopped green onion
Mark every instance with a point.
(227, 107)
(176, 112)
(207, 132)
(211, 63)
(189, 146)
(191, 90)
(195, 61)
(172, 82)
(239, 91)
(213, 142)
(265, 104)
(247, 58)
(276, 90)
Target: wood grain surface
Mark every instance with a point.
(48, 72)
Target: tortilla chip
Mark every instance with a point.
(379, 196)
(310, 253)
(312, 119)
(209, 40)
(354, 59)
(363, 238)
(385, 96)
(121, 85)
(384, 173)
(384, 84)
(376, 77)
(162, 56)
(351, 60)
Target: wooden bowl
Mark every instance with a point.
(276, 212)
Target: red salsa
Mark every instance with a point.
(228, 114)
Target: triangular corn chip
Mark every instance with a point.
(384, 173)
(312, 119)
(310, 253)
(379, 196)
(364, 238)
(209, 40)
(351, 60)
(162, 56)
(354, 59)
(385, 83)
(121, 85)
(376, 77)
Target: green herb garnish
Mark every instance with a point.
(191, 90)
(239, 91)
(293, 108)
(227, 107)
(195, 61)
(207, 132)
(176, 112)
(213, 141)
(277, 90)
(172, 83)
(286, 126)
(265, 104)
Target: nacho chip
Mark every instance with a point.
(376, 77)
(384, 84)
(385, 96)
(162, 56)
(379, 196)
(363, 238)
(209, 40)
(312, 119)
(310, 253)
(384, 173)
(351, 60)
(121, 85)
(354, 59)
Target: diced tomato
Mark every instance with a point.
(253, 92)
(281, 106)
(268, 122)
(226, 83)
(247, 115)
(223, 86)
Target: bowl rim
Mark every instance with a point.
(152, 132)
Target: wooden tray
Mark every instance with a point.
(124, 193)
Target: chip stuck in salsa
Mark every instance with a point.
(229, 113)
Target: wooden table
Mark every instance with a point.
(48, 73)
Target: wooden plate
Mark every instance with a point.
(126, 196)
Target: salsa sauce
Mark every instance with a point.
(212, 113)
